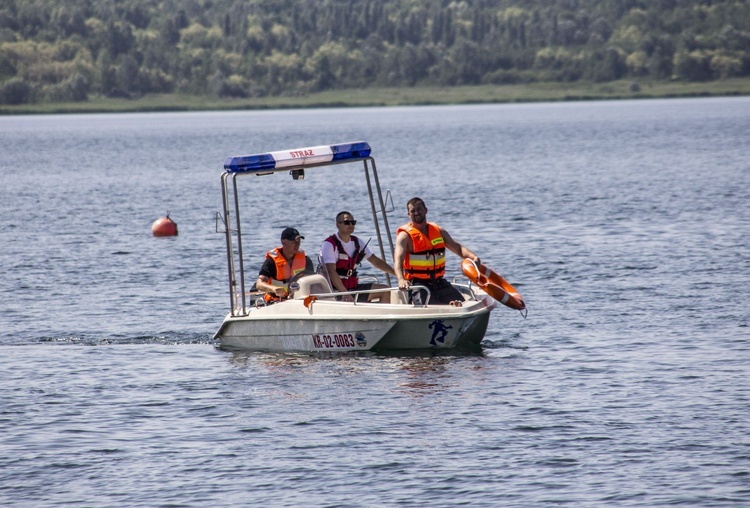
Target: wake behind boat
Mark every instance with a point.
(312, 318)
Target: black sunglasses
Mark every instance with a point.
(349, 222)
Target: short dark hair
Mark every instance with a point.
(340, 214)
(414, 202)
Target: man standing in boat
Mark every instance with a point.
(419, 256)
(281, 264)
(342, 252)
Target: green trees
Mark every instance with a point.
(242, 48)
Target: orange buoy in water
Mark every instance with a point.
(164, 227)
(493, 284)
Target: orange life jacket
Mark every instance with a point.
(428, 259)
(284, 271)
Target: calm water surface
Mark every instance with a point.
(625, 225)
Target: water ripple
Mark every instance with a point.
(623, 224)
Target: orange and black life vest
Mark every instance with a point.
(346, 266)
(284, 272)
(427, 262)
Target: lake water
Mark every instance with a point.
(625, 225)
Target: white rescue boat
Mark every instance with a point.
(313, 318)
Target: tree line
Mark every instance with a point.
(73, 50)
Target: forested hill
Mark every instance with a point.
(75, 49)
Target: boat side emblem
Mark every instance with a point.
(361, 339)
(439, 331)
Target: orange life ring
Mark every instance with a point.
(493, 284)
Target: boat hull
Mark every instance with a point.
(302, 335)
(329, 325)
(439, 331)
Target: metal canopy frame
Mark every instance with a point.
(232, 224)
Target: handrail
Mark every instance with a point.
(411, 289)
(349, 293)
(468, 287)
(334, 294)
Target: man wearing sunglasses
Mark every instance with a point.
(342, 252)
(419, 256)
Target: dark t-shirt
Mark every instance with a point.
(269, 267)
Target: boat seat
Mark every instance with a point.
(312, 284)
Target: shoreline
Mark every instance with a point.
(390, 97)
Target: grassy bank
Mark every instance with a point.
(484, 94)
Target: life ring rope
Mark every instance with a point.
(494, 285)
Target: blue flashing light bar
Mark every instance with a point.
(297, 158)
